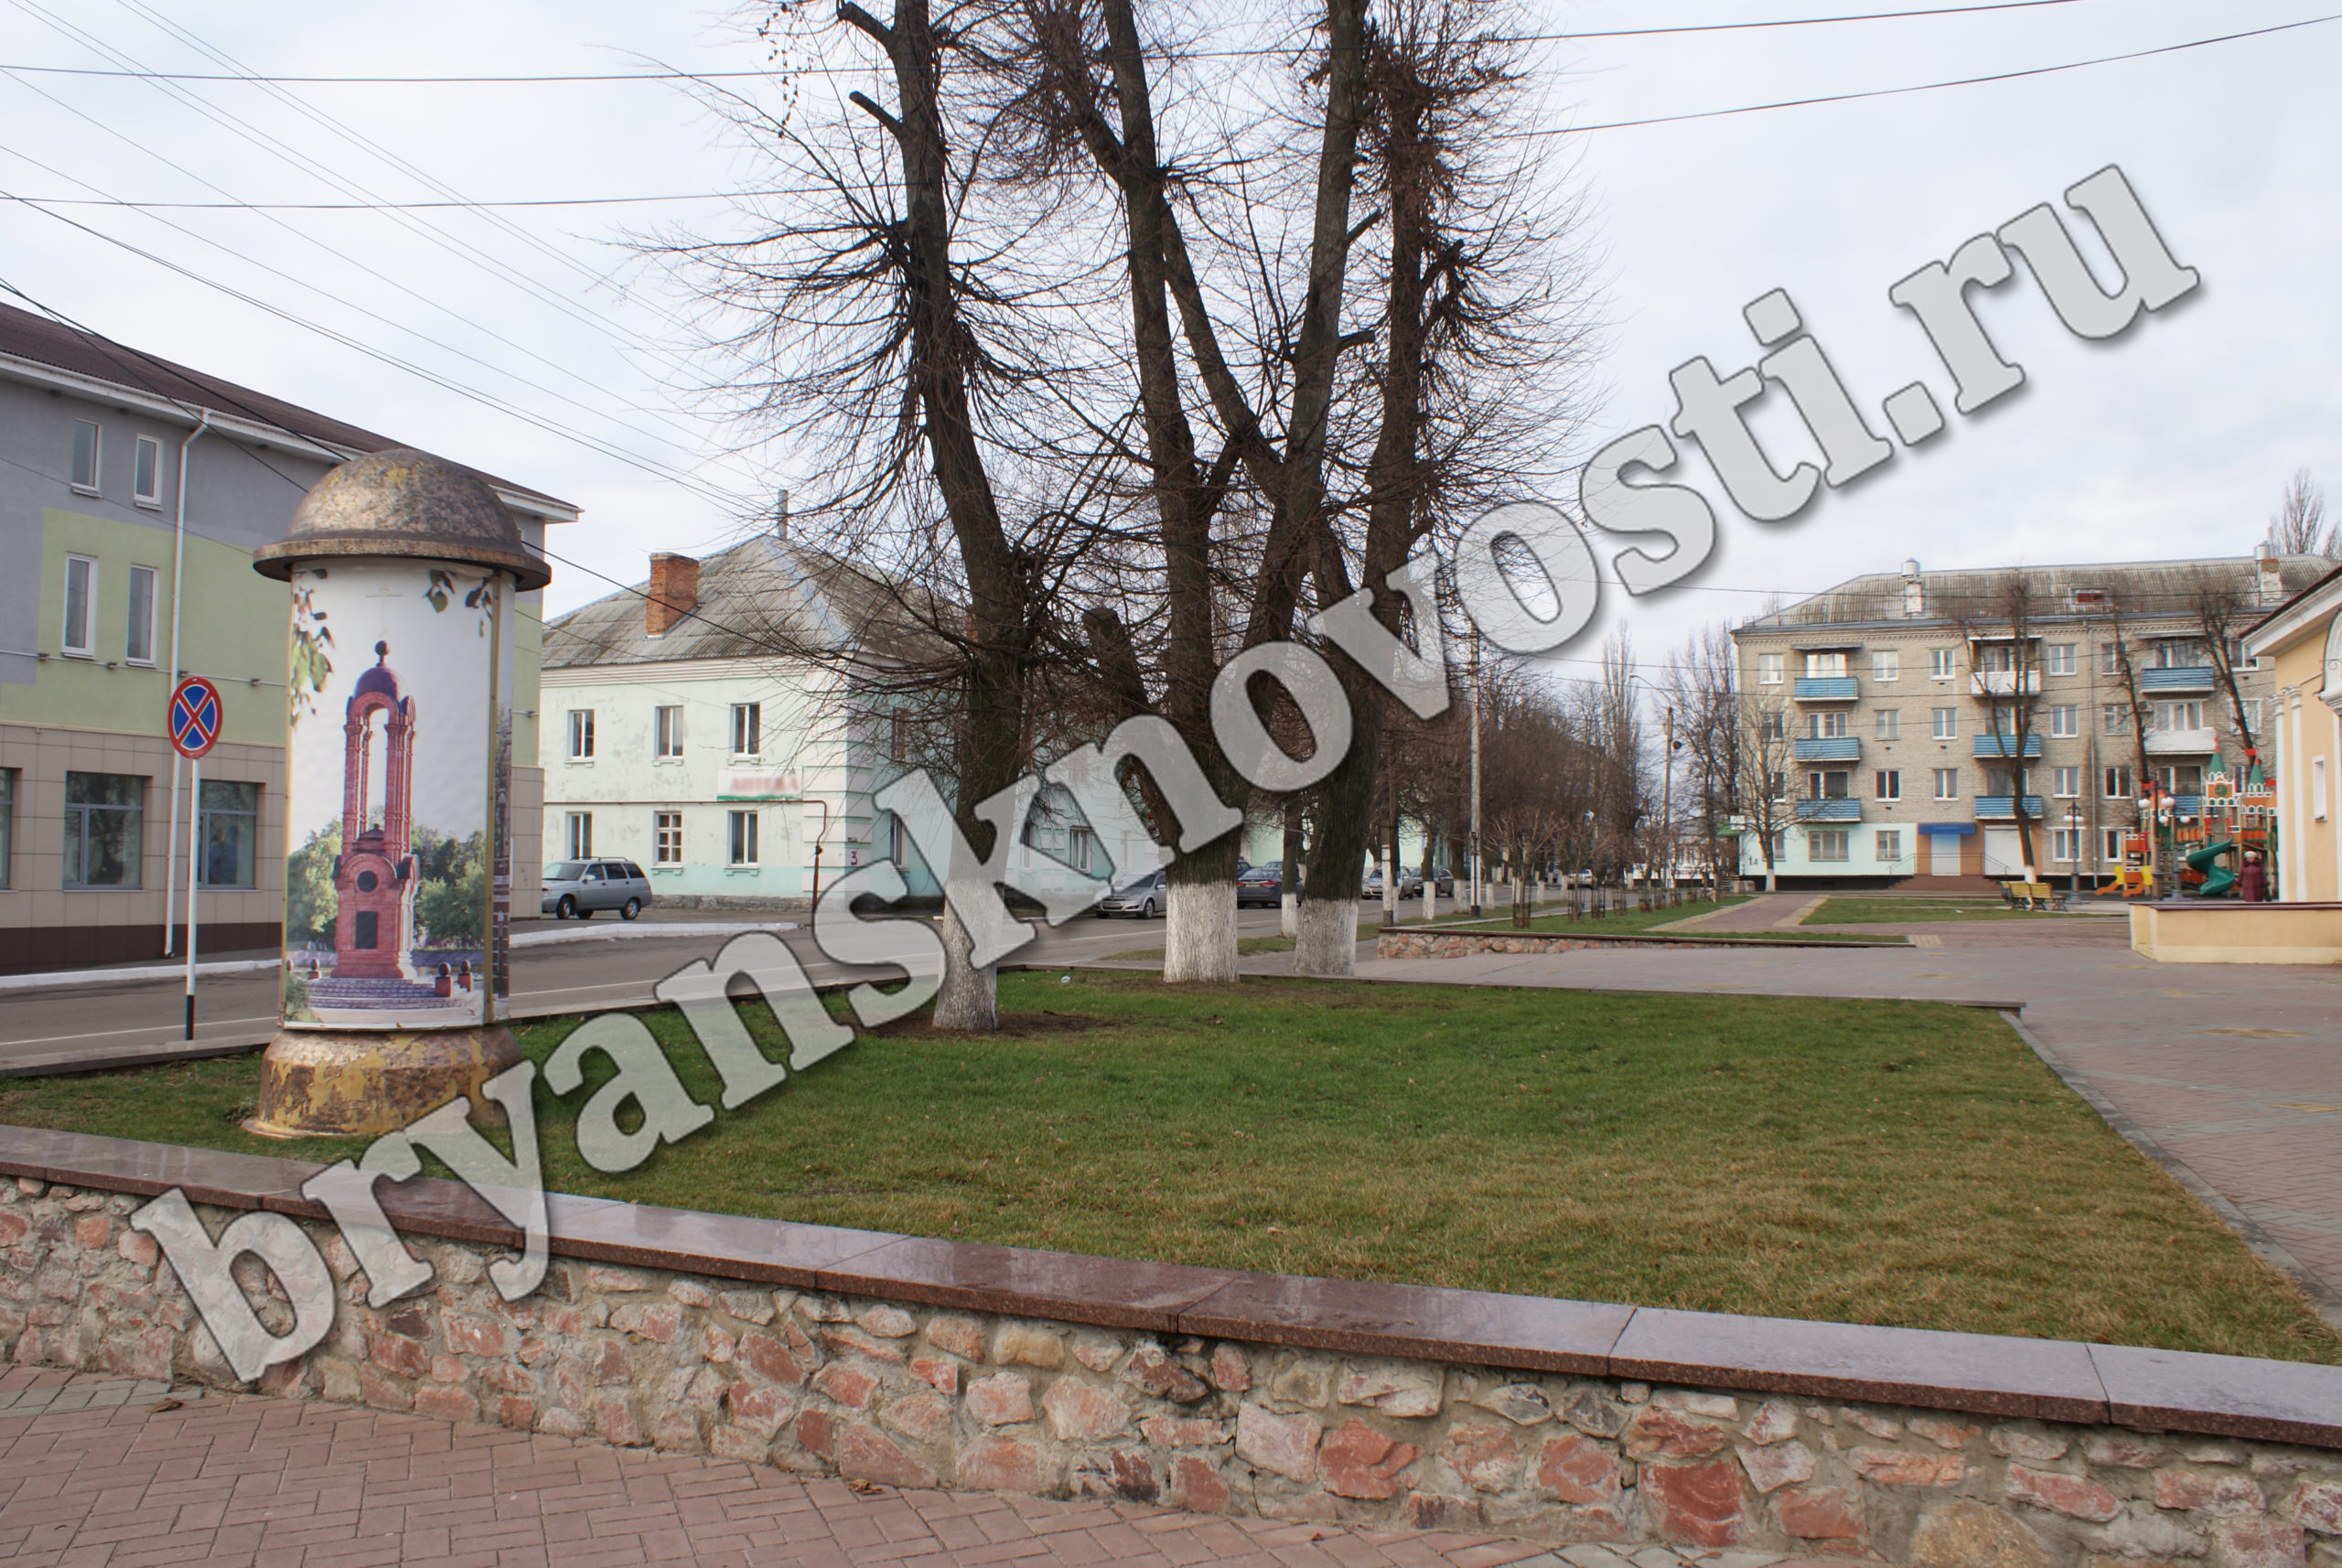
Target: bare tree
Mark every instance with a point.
(2223, 612)
(2004, 657)
(1762, 736)
(2126, 672)
(2298, 526)
(1702, 683)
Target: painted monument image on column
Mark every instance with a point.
(388, 885)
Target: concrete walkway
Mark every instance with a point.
(2230, 1074)
(96, 1471)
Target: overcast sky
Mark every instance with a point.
(2173, 440)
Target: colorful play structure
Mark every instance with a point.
(2209, 846)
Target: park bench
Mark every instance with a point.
(2029, 895)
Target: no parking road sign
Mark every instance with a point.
(195, 716)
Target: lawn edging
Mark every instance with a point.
(913, 1361)
(1433, 941)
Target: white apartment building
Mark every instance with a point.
(1909, 724)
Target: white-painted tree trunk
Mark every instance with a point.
(1289, 915)
(1199, 933)
(1326, 942)
(969, 997)
(1431, 900)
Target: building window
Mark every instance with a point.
(147, 473)
(898, 742)
(103, 815)
(1889, 848)
(1830, 725)
(2066, 783)
(2253, 716)
(2110, 846)
(1773, 726)
(747, 729)
(1946, 723)
(1885, 664)
(2177, 717)
(580, 836)
(7, 819)
(2180, 653)
(2115, 719)
(139, 646)
(1946, 783)
(743, 836)
(1826, 843)
(667, 838)
(1943, 664)
(1889, 722)
(81, 606)
(1830, 786)
(1769, 669)
(669, 723)
(85, 455)
(2065, 722)
(1890, 785)
(2118, 782)
(2061, 657)
(899, 850)
(1825, 666)
(581, 735)
(2065, 844)
(2183, 777)
(231, 833)
(2110, 658)
(1779, 785)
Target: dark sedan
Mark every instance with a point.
(1261, 887)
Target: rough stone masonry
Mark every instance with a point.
(876, 1390)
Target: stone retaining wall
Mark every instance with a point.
(2025, 1466)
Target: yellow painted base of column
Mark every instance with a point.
(363, 1082)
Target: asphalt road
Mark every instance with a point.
(98, 1022)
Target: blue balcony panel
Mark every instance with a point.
(2002, 809)
(1827, 689)
(1992, 744)
(1828, 810)
(2183, 677)
(1828, 749)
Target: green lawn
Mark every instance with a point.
(1880, 1162)
(1616, 922)
(1899, 911)
(1625, 925)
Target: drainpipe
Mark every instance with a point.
(179, 571)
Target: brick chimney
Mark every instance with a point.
(2271, 577)
(674, 591)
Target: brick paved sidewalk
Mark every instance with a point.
(95, 1471)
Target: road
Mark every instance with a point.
(100, 1023)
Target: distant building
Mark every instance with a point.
(2302, 643)
(102, 451)
(1901, 747)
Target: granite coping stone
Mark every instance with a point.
(2010, 1377)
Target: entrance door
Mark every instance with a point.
(1943, 854)
(2003, 856)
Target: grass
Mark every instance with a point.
(1628, 925)
(1878, 1162)
(1900, 911)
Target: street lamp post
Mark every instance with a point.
(1476, 775)
(2073, 843)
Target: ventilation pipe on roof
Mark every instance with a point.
(1915, 591)
(179, 763)
(2272, 579)
(674, 591)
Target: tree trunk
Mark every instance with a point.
(1326, 942)
(1289, 873)
(969, 997)
(1199, 930)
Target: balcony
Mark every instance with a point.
(1827, 689)
(2002, 809)
(2188, 805)
(2180, 680)
(1827, 748)
(2183, 742)
(1830, 810)
(1991, 744)
(2004, 684)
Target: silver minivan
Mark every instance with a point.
(579, 887)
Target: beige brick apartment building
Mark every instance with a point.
(1910, 717)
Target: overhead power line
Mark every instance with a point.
(556, 78)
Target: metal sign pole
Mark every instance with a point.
(193, 807)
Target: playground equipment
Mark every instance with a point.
(2217, 881)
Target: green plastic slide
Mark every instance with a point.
(2219, 880)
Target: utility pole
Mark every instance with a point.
(1666, 796)
(1475, 774)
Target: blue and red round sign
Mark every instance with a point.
(195, 716)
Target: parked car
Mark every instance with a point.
(1411, 886)
(1443, 879)
(1263, 885)
(579, 887)
(1142, 900)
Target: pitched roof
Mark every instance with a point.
(765, 597)
(25, 335)
(2144, 587)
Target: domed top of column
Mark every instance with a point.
(407, 505)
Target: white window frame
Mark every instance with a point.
(88, 647)
(579, 834)
(2062, 658)
(2066, 783)
(2065, 722)
(2110, 845)
(1815, 838)
(666, 838)
(747, 726)
(1885, 664)
(581, 737)
(1887, 724)
(1826, 666)
(1943, 664)
(1946, 783)
(2114, 718)
(2110, 658)
(2253, 716)
(1829, 723)
(2066, 845)
(1887, 848)
(1944, 723)
(147, 456)
(2116, 773)
(1888, 784)
(740, 835)
(89, 486)
(666, 732)
(1771, 668)
(130, 622)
